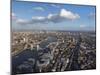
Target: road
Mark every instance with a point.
(74, 65)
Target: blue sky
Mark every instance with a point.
(49, 16)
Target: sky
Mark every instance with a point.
(50, 16)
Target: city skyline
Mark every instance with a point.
(50, 16)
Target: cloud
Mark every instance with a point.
(39, 19)
(22, 22)
(13, 16)
(54, 5)
(34, 20)
(92, 15)
(39, 8)
(82, 26)
(69, 15)
(63, 15)
(55, 18)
